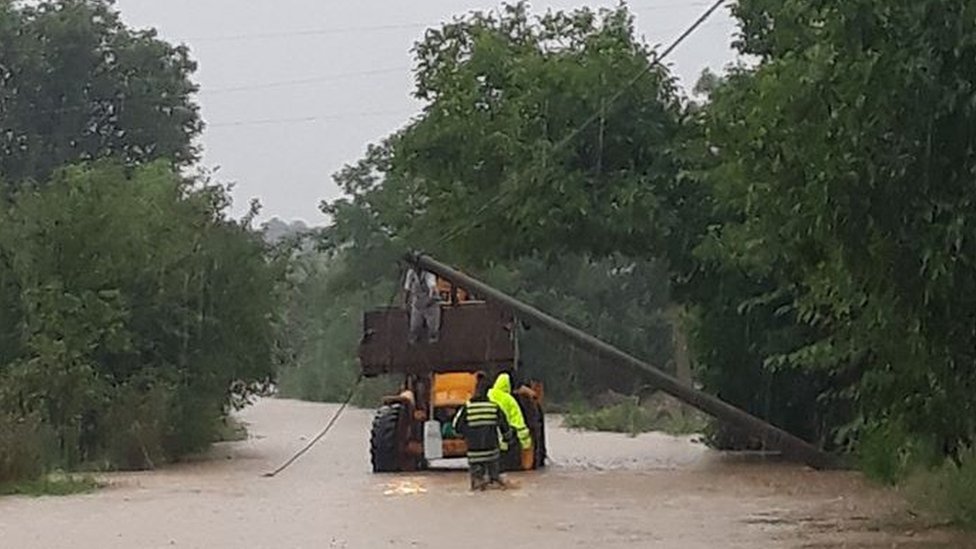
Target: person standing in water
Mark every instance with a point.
(480, 421)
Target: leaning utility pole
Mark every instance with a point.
(790, 445)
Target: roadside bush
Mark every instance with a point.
(139, 423)
(21, 448)
(626, 417)
(632, 418)
(887, 453)
(948, 491)
(53, 484)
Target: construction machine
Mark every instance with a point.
(413, 428)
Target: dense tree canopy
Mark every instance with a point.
(847, 161)
(132, 308)
(133, 312)
(76, 84)
(497, 156)
(492, 176)
(813, 213)
(810, 216)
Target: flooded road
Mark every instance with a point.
(603, 490)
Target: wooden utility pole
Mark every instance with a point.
(790, 445)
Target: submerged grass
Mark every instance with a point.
(947, 492)
(633, 419)
(54, 484)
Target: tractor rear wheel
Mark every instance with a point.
(384, 444)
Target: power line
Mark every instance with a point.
(304, 119)
(340, 76)
(238, 123)
(346, 75)
(667, 6)
(301, 81)
(661, 33)
(113, 102)
(694, 26)
(315, 118)
(322, 433)
(658, 59)
(380, 28)
(307, 32)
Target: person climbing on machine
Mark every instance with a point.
(501, 394)
(423, 302)
(480, 421)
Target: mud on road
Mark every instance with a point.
(603, 490)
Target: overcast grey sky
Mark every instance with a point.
(292, 90)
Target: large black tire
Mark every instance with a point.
(384, 446)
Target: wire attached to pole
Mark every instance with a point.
(322, 433)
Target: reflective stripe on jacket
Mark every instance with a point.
(479, 422)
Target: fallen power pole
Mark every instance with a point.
(791, 446)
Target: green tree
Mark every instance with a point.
(381, 217)
(323, 326)
(76, 84)
(495, 166)
(140, 312)
(495, 172)
(847, 169)
(491, 173)
(617, 299)
(813, 214)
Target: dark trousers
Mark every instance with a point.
(425, 317)
(484, 473)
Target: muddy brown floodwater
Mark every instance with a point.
(603, 490)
